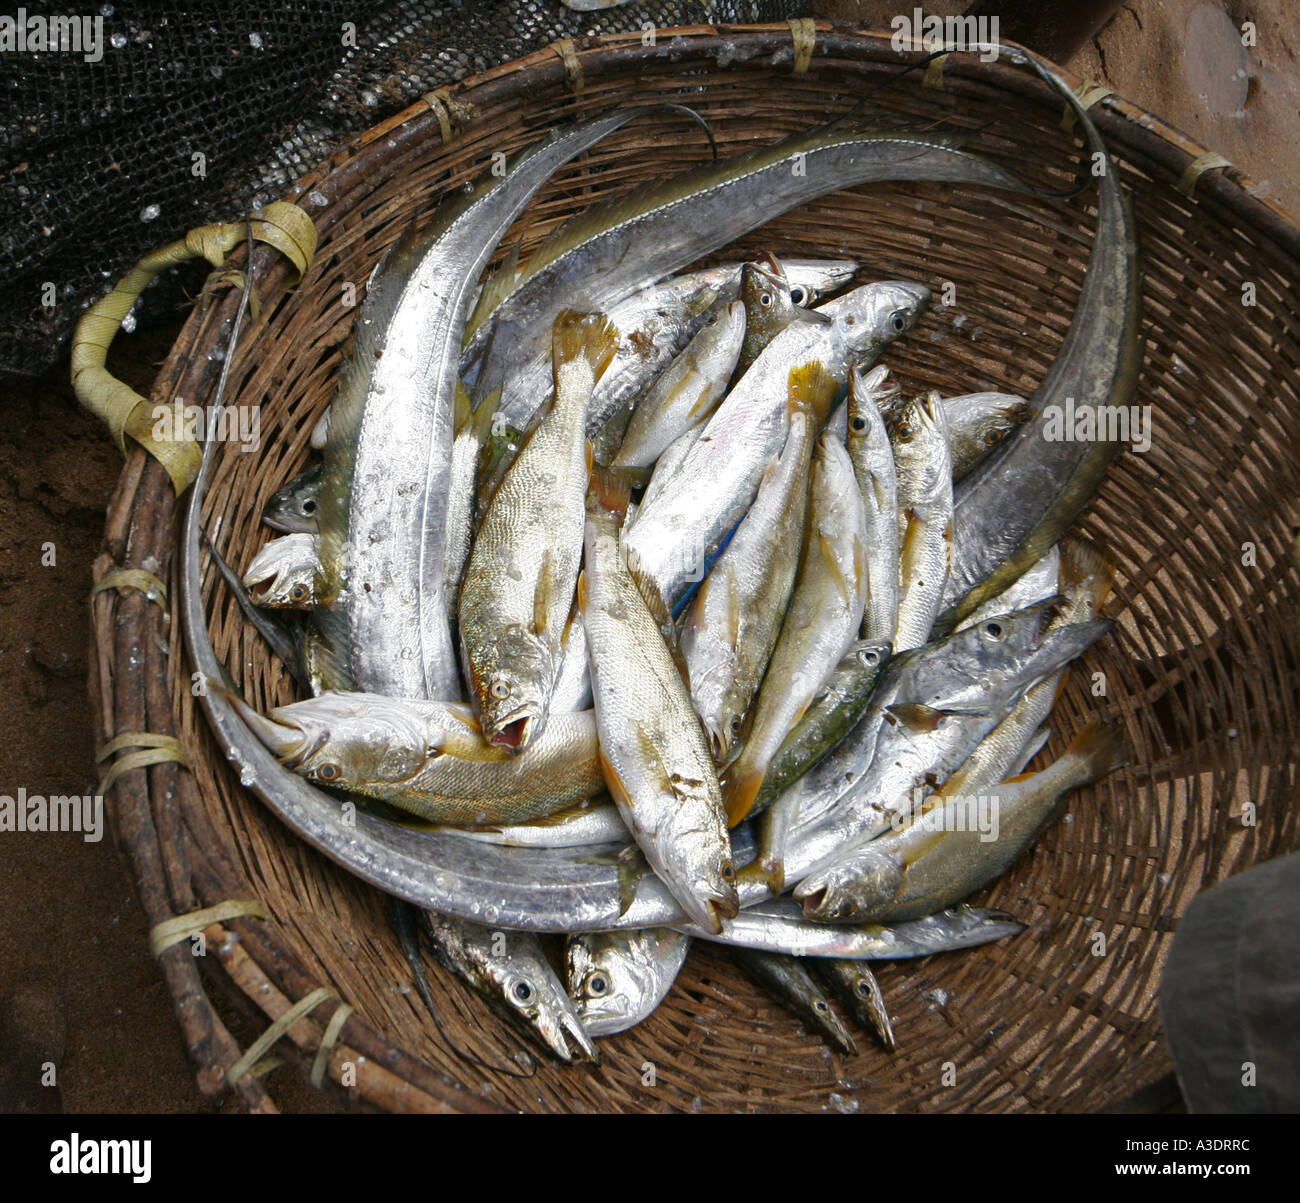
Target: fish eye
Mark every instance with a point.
(309, 506)
(523, 991)
(597, 985)
(329, 772)
(728, 871)
(500, 688)
(898, 321)
(735, 724)
(903, 431)
(993, 630)
(993, 436)
(869, 657)
(798, 296)
(765, 299)
(298, 592)
(858, 423)
(864, 990)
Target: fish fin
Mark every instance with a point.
(1084, 570)
(703, 402)
(499, 284)
(542, 594)
(837, 575)
(589, 336)
(740, 793)
(694, 619)
(582, 592)
(275, 631)
(813, 387)
(733, 607)
(463, 408)
(617, 789)
(1100, 748)
(916, 716)
(609, 489)
(650, 754)
(485, 413)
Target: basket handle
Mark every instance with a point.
(282, 224)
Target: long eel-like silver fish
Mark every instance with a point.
(383, 497)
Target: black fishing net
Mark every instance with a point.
(122, 126)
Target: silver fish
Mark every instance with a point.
(873, 465)
(687, 393)
(856, 987)
(781, 927)
(383, 494)
(286, 573)
(510, 970)
(732, 625)
(924, 464)
(617, 979)
(786, 980)
(823, 618)
(716, 481)
(1019, 502)
(653, 752)
(517, 594)
(292, 510)
(954, 849)
(606, 252)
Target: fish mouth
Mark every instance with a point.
(285, 743)
(514, 733)
(567, 1038)
(719, 742)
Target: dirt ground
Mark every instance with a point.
(77, 985)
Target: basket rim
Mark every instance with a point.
(340, 177)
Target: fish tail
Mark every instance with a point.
(1100, 749)
(1086, 574)
(740, 794)
(814, 388)
(589, 336)
(610, 491)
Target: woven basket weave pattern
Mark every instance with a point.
(1199, 673)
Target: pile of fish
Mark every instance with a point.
(644, 595)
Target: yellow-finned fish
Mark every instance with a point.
(823, 618)
(430, 758)
(734, 620)
(652, 749)
(924, 463)
(518, 589)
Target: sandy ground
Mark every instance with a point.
(77, 985)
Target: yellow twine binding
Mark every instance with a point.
(126, 413)
(572, 64)
(277, 1029)
(1207, 162)
(1089, 93)
(803, 30)
(135, 578)
(934, 74)
(181, 927)
(328, 1040)
(155, 749)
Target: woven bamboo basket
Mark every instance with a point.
(1199, 673)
